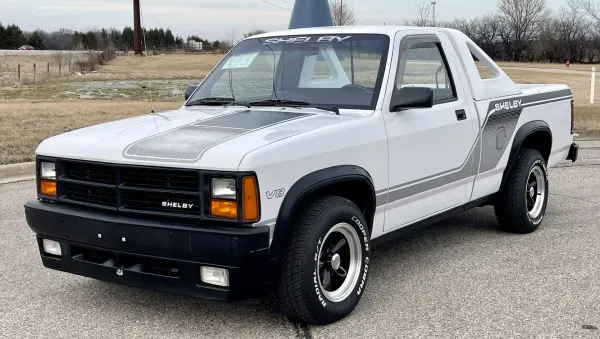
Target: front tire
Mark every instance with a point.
(326, 261)
(521, 204)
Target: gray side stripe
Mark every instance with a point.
(381, 199)
(437, 190)
(490, 173)
(475, 148)
(403, 193)
(489, 148)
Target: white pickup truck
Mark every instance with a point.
(299, 152)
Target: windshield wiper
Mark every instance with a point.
(279, 102)
(215, 101)
(292, 103)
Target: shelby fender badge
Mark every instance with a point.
(177, 205)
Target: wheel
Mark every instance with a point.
(521, 203)
(326, 262)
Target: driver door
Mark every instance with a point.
(431, 150)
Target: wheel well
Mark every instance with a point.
(357, 191)
(540, 141)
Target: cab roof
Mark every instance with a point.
(390, 30)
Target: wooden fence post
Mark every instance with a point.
(48, 70)
(69, 65)
(34, 72)
(19, 72)
(60, 66)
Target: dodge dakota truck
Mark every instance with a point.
(299, 152)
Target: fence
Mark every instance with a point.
(33, 68)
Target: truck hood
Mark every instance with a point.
(190, 137)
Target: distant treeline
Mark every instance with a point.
(12, 37)
(527, 30)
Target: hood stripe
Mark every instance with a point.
(186, 144)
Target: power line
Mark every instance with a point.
(287, 2)
(270, 3)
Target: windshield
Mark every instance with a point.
(342, 71)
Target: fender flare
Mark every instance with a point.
(307, 185)
(522, 134)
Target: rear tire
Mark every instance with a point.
(521, 204)
(325, 264)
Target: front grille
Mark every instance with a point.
(153, 202)
(90, 195)
(102, 174)
(130, 189)
(161, 178)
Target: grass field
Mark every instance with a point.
(31, 113)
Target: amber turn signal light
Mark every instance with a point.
(249, 199)
(224, 209)
(48, 187)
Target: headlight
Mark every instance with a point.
(47, 179)
(48, 171)
(223, 189)
(224, 201)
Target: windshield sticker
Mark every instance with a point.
(305, 39)
(240, 61)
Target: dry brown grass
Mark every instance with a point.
(577, 67)
(23, 124)
(170, 66)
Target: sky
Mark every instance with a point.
(213, 19)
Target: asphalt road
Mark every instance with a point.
(461, 278)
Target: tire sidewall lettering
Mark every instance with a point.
(362, 279)
(539, 163)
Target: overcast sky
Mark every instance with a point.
(212, 19)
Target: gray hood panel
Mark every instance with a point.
(187, 143)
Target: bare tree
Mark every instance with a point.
(591, 8)
(342, 14)
(424, 12)
(524, 17)
(229, 39)
(487, 31)
(254, 32)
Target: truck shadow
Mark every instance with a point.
(397, 258)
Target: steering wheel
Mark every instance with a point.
(354, 86)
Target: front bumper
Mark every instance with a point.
(151, 254)
(573, 152)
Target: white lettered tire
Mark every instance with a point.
(326, 262)
(521, 204)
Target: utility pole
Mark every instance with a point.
(341, 11)
(137, 28)
(433, 4)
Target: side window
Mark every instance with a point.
(423, 64)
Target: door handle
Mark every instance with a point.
(461, 115)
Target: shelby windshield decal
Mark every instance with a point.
(305, 39)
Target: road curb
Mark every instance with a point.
(17, 172)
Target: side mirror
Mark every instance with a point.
(189, 91)
(412, 97)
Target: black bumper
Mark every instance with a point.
(151, 254)
(573, 152)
